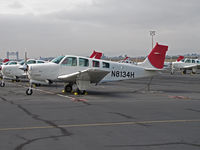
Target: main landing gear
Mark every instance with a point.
(73, 88)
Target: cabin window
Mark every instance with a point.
(106, 65)
(188, 61)
(95, 63)
(83, 62)
(193, 61)
(198, 62)
(70, 61)
(13, 63)
(31, 62)
(58, 59)
(21, 62)
(40, 62)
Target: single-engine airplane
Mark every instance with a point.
(78, 72)
(15, 70)
(185, 64)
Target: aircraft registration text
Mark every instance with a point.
(123, 74)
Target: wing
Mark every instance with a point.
(92, 75)
(190, 66)
(152, 69)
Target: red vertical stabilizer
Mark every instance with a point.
(180, 58)
(157, 56)
(96, 55)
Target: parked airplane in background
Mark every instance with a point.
(15, 70)
(185, 64)
(78, 73)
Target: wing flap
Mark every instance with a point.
(92, 75)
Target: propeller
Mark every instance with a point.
(25, 66)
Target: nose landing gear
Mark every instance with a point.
(2, 84)
(29, 91)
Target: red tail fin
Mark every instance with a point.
(93, 54)
(157, 56)
(96, 55)
(5, 60)
(180, 58)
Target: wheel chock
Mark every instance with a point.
(75, 93)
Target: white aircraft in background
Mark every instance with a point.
(5, 62)
(186, 64)
(1, 76)
(16, 70)
(78, 73)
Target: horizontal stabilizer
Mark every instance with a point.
(152, 69)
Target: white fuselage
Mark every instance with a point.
(12, 71)
(186, 64)
(117, 71)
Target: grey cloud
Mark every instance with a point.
(136, 13)
(16, 5)
(112, 26)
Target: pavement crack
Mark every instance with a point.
(122, 115)
(195, 110)
(63, 131)
(153, 145)
(21, 146)
(36, 117)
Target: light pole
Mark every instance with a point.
(152, 33)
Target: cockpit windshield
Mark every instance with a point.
(58, 59)
(21, 62)
(6, 63)
(12, 63)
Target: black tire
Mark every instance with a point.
(184, 71)
(82, 92)
(2, 84)
(68, 88)
(29, 91)
(193, 72)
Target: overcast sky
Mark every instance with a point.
(114, 27)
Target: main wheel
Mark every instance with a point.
(29, 91)
(184, 71)
(68, 88)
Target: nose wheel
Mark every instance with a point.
(29, 91)
(2, 84)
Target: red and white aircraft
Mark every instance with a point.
(185, 64)
(78, 72)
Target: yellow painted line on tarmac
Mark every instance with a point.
(101, 124)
